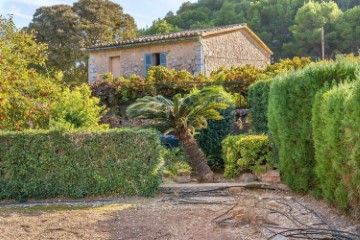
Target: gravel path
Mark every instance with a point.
(229, 213)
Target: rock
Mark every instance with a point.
(283, 187)
(183, 179)
(248, 177)
(271, 176)
(249, 215)
(353, 229)
(235, 190)
(279, 237)
(208, 178)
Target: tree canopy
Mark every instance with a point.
(30, 99)
(309, 21)
(279, 23)
(67, 30)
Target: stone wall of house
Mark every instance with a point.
(180, 55)
(232, 49)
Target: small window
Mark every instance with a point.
(154, 59)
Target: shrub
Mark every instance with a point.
(210, 139)
(76, 109)
(246, 152)
(168, 82)
(236, 79)
(175, 161)
(259, 91)
(290, 110)
(255, 153)
(258, 100)
(336, 130)
(44, 164)
(174, 155)
(177, 168)
(231, 154)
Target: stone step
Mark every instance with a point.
(193, 187)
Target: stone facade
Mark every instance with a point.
(197, 51)
(179, 55)
(236, 48)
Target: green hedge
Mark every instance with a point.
(290, 111)
(210, 139)
(246, 152)
(336, 132)
(258, 100)
(45, 164)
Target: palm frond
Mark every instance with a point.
(190, 111)
(156, 108)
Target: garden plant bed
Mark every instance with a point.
(212, 213)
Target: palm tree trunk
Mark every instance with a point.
(197, 157)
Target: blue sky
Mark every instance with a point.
(144, 11)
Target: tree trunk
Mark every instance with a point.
(197, 157)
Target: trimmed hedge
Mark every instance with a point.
(246, 152)
(336, 132)
(46, 164)
(258, 99)
(290, 111)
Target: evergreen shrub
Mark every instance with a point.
(290, 112)
(336, 132)
(258, 100)
(246, 152)
(44, 164)
(210, 138)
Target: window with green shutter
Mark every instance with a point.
(148, 62)
(162, 59)
(154, 59)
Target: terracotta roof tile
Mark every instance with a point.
(183, 34)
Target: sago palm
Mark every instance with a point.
(183, 116)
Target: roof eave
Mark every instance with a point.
(132, 45)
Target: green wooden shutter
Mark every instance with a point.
(163, 59)
(147, 62)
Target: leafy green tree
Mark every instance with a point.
(58, 27)
(25, 95)
(28, 99)
(345, 37)
(183, 116)
(270, 20)
(160, 26)
(347, 4)
(103, 21)
(309, 21)
(69, 30)
(227, 14)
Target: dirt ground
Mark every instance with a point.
(235, 213)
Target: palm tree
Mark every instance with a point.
(183, 116)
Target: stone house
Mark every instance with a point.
(197, 51)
